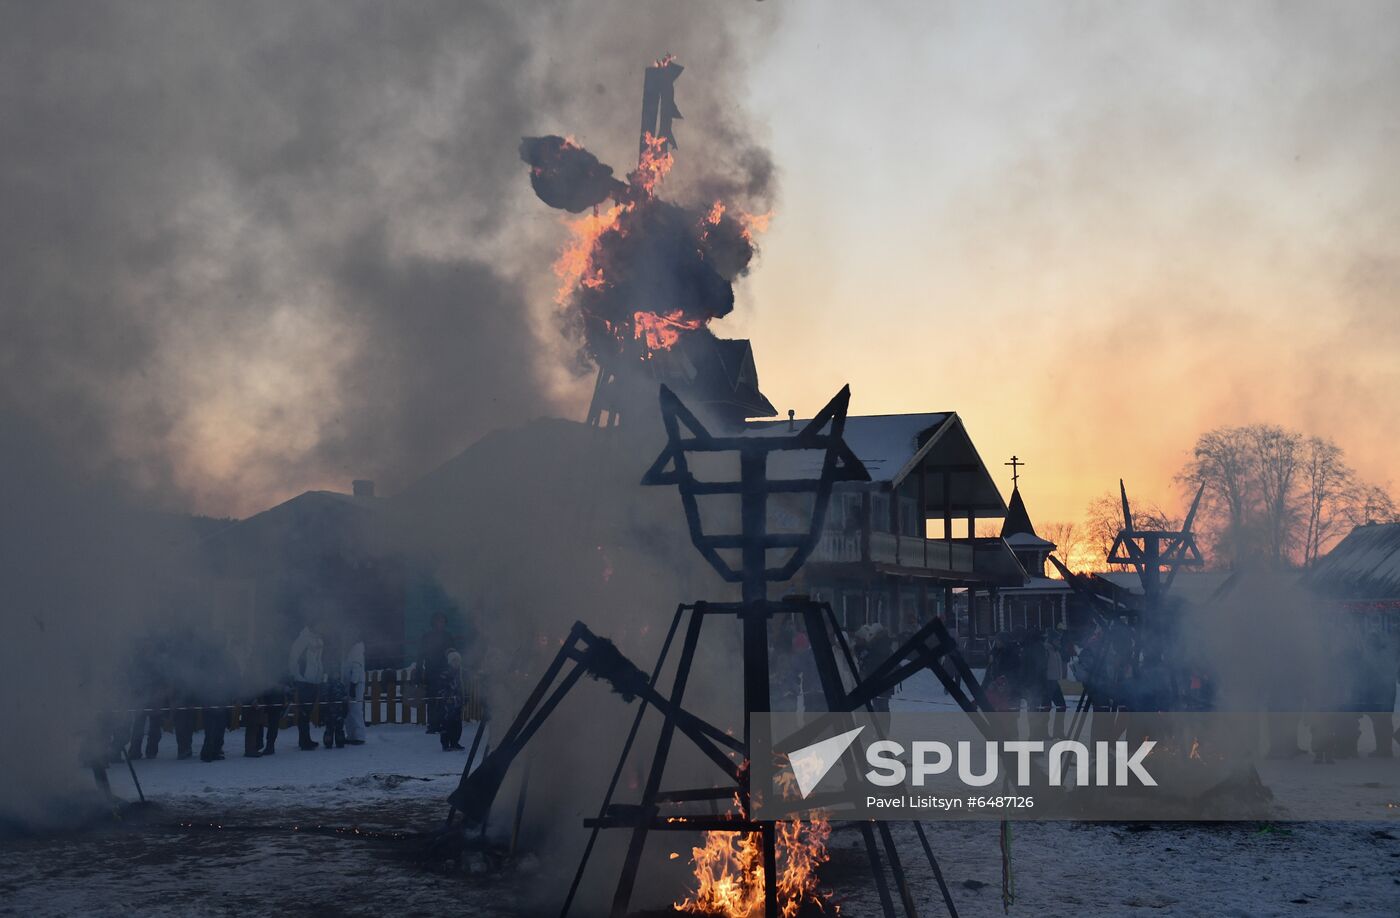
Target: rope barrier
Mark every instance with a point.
(287, 705)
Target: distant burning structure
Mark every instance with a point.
(642, 278)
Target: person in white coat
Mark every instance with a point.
(307, 669)
(355, 680)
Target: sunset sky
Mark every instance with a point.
(1094, 231)
(265, 249)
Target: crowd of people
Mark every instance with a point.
(1121, 672)
(182, 681)
(1028, 668)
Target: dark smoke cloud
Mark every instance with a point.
(254, 249)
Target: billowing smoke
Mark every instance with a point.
(254, 251)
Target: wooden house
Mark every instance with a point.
(1361, 577)
(904, 546)
(1041, 602)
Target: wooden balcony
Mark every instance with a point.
(899, 550)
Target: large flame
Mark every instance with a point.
(661, 332)
(729, 873)
(575, 265)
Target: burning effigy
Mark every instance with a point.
(642, 277)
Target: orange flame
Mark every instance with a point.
(656, 161)
(729, 872)
(575, 267)
(716, 213)
(1196, 749)
(754, 223)
(661, 332)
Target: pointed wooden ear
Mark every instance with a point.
(1195, 505)
(834, 413)
(1127, 511)
(673, 410)
(674, 414)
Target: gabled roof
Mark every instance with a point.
(893, 447)
(722, 373)
(1364, 565)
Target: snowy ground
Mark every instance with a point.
(335, 832)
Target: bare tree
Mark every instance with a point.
(1273, 493)
(1327, 481)
(1364, 504)
(1223, 461)
(1071, 545)
(1103, 519)
(1275, 460)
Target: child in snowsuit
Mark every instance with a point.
(448, 689)
(333, 709)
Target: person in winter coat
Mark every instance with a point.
(448, 688)
(334, 698)
(1031, 678)
(1053, 695)
(185, 671)
(1000, 681)
(432, 661)
(262, 720)
(216, 693)
(873, 647)
(1378, 691)
(148, 679)
(355, 683)
(305, 665)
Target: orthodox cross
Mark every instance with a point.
(1015, 470)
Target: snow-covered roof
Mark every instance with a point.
(885, 443)
(1364, 565)
(1027, 540)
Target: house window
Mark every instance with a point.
(880, 512)
(909, 522)
(850, 512)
